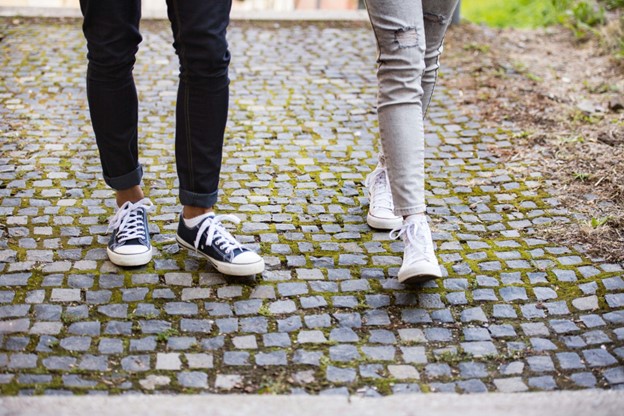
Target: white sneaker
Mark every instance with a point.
(419, 261)
(381, 209)
(210, 239)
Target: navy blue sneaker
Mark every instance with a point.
(130, 243)
(210, 239)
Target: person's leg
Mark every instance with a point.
(399, 30)
(400, 34)
(437, 17)
(199, 30)
(112, 32)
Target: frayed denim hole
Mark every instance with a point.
(407, 37)
(437, 18)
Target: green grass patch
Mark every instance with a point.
(580, 15)
(511, 13)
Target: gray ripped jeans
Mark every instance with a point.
(409, 37)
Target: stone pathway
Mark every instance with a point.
(513, 312)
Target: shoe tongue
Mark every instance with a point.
(133, 241)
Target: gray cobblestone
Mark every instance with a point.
(340, 375)
(598, 358)
(193, 379)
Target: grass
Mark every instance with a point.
(510, 13)
(600, 19)
(539, 13)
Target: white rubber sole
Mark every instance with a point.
(129, 260)
(419, 272)
(229, 269)
(383, 223)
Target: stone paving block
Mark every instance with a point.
(540, 364)
(59, 363)
(592, 321)
(94, 363)
(597, 337)
(193, 379)
(276, 339)
(412, 335)
(181, 343)
(273, 358)
(403, 372)
(614, 375)
(245, 342)
(65, 295)
(152, 382)
(14, 325)
(570, 360)
(546, 383)
(340, 375)
(584, 379)
(479, 348)
(615, 300)
(586, 304)
(598, 357)
(472, 370)
(414, 354)
(510, 385)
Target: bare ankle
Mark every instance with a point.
(134, 194)
(189, 212)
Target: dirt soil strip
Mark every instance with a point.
(566, 97)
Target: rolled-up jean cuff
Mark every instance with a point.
(127, 181)
(193, 199)
(418, 209)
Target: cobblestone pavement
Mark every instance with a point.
(513, 312)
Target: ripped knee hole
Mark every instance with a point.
(406, 37)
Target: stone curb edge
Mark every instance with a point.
(568, 403)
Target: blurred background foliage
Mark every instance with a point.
(600, 19)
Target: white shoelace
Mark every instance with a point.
(379, 185)
(129, 220)
(417, 242)
(217, 234)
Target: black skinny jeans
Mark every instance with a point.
(111, 28)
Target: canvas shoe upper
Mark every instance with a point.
(213, 241)
(381, 208)
(419, 261)
(130, 244)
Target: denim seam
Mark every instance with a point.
(435, 80)
(187, 120)
(370, 19)
(189, 147)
